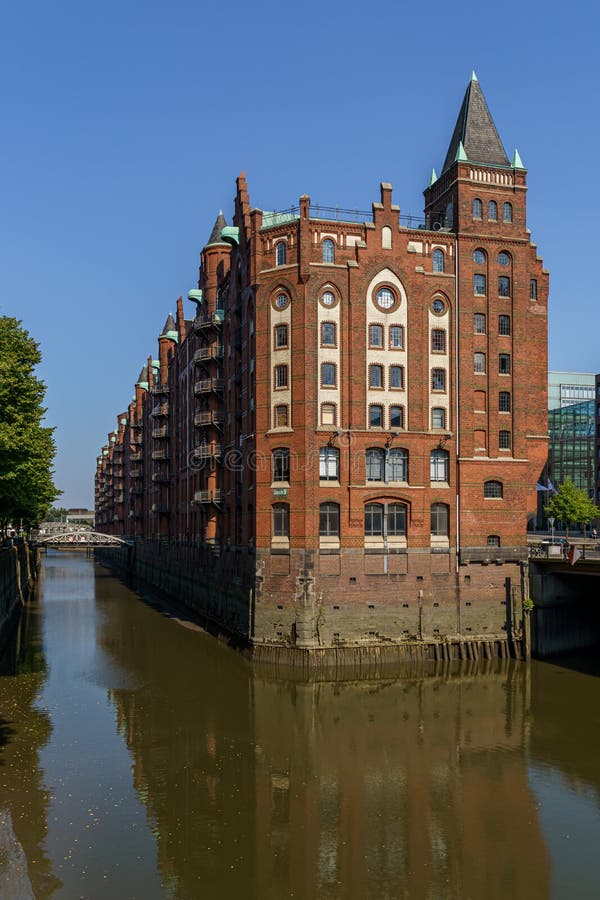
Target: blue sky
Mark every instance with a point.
(126, 123)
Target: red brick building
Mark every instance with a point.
(343, 445)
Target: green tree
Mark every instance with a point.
(56, 514)
(571, 504)
(27, 447)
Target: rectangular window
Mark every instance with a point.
(504, 440)
(504, 401)
(329, 520)
(479, 323)
(438, 340)
(281, 336)
(479, 362)
(479, 285)
(438, 379)
(504, 286)
(533, 289)
(396, 378)
(504, 364)
(438, 417)
(281, 376)
(329, 458)
(328, 416)
(375, 376)
(396, 337)
(375, 335)
(281, 416)
(396, 417)
(376, 416)
(281, 520)
(503, 324)
(327, 334)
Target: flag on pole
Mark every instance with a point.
(574, 554)
(551, 487)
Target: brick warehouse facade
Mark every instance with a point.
(341, 448)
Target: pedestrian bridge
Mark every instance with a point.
(81, 538)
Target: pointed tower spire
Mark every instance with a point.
(143, 376)
(170, 329)
(433, 178)
(215, 235)
(476, 132)
(461, 156)
(473, 76)
(517, 162)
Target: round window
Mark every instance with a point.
(503, 259)
(479, 257)
(385, 298)
(328, 298)
(281, 301)
(438, 306)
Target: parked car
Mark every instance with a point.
(557, 542)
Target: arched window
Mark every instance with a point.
(439, 465)
(492, 211)
(329, 463)
(507, 212)
(396, 519)
(440, 519)
(281, 520)
(477, 208)
(386, 238)
(328, 334)
(327, 374)
(373, 519)
(375, 462)
(503, 258)
(479, 256)
(438, 260)
(329, 520)
(375, 415)
(398, 464)
(492, 489)
(281, 464)
(375, 376)
(280, 253)
(328, 250)
(479, 362)
(438, 417)
(396, 416)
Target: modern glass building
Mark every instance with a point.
(571, 428)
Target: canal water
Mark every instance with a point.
(140, 758)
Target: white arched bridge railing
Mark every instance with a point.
(83, 538)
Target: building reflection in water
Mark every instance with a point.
(25, 868)
(415, 786)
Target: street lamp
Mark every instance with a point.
(551, 520)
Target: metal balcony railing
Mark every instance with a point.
(213, 496)
(209, 320)
(160, 454)
(204, 353)
(160, 409)
(202, 419)
(160, 432)
(206, 451)
(208, 385)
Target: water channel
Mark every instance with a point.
(140, 758)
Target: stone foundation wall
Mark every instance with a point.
(18, 572)
(294, 609)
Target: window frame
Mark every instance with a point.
(329, 457)
(477, 208)
(493, 489)
(438, 333)
(280, 465)
(439, 375)
(443, 411)
(280, 377)
(400, 330)
(504, 401)
(438, 259)
(376, 369)
(504, 364)
(504, 325)
(376, 327)
(329, 519)
(328, 366)
(492, 211)
(481, 317)
(439, 519)
(372, 407)
(479, 284)
(280, 520)
(330, 245)
(479, 363)
(280, 253)
(507, 213)
(280, 328)
(439, 466)
(332, 325)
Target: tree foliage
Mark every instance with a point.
(571, 504)
(27, 447)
